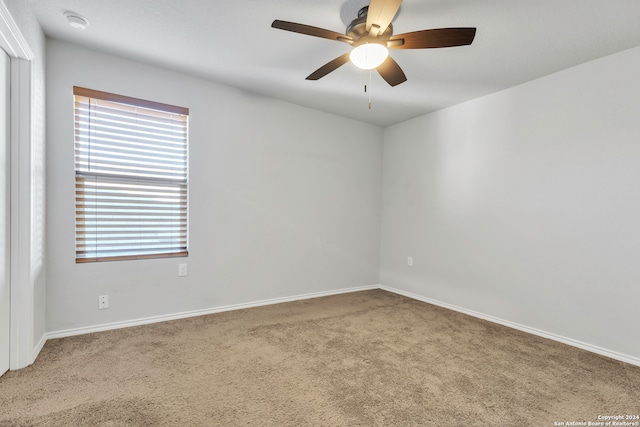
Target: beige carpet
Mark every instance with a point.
(362, 359)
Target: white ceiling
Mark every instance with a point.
(232, 42)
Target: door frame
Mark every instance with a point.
(5, 211)
(22, 351)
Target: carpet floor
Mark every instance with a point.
(367, 358)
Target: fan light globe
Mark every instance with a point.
(368, 55)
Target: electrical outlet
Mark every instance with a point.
(410, 261)
(103, 302)
(182, 270)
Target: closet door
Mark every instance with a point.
(5, 229)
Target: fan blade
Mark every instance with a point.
(310, 31)
(329, 67)
(381, 13)
(391, 72)
(439, 37)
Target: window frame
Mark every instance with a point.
(83, 176)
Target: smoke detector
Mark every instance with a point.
(76, 21)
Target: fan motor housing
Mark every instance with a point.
(358, 27)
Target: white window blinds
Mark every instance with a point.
(131, 172)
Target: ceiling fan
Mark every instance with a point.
(371, 35)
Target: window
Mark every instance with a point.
(131, 177)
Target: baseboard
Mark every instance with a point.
(194, 313)
(163, 318)
(38, 348)
(574, 343)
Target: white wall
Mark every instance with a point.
(284, 200)
(522, 206)
(525, 205)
